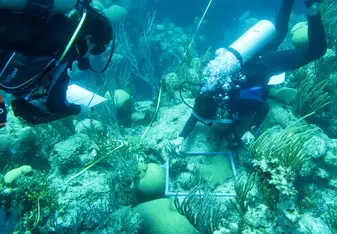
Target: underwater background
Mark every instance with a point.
(114, 172)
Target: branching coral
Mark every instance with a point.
(311, 96)
(190, 68)
(280, 153)
(243, 184)
(136, 48)
(331, 220)
(123, 219)
(329, 12)
(201, 210)
(189, 62)
(31, 199)
(129, 221)
(286, 146)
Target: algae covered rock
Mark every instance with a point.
(286, 95)
(76, 151)
(171, 82)
(161, 217)
(143, 113)
(89, 126)
(16, 142)
(331, 159)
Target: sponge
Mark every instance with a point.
(15, 173)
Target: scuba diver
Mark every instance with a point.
(39, 48)
(238, 76)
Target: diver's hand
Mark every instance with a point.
(248, 138)
(174, 146)
(313, 6)
(178, 143)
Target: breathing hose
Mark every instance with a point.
(180, 89)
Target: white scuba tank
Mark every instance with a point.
(250, 43)
(60, 6)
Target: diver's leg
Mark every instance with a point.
(261, 111)
(281, 24)
(30, 112)
(276, 62)
(258, 107)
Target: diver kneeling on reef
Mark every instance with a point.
(237, 78)
(39, 45)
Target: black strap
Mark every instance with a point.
(40, 9)
(236, 54)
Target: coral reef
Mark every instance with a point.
(103, 175)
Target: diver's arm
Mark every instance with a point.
(281, 24)
(200, 107)
(57, 97)
(204, 108)
(273, 63)
(189, 127)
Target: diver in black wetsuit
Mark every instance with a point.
(254, 74)
(34, 62)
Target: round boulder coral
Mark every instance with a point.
(161, 217)
(152, 183)
(299, 35)
(115, 13)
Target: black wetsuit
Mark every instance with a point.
(258, 71)
(36, 43)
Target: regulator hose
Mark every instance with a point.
(181, 87)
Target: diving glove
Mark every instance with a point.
(313, 6)
(178, 143)
(248, 138)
